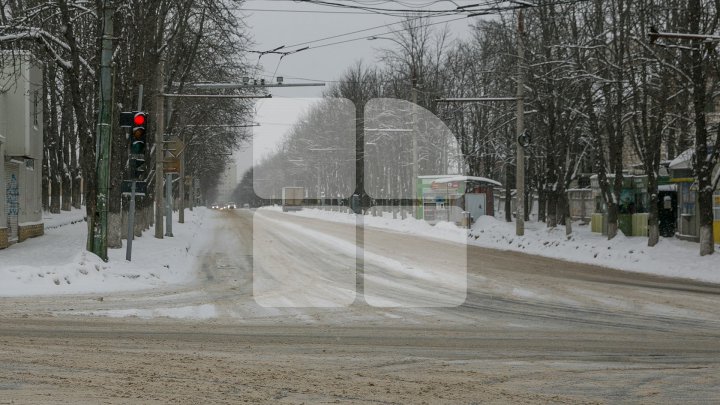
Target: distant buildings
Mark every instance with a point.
(21, 148)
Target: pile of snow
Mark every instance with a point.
(57, 263)
(671, 257)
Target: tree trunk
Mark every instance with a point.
(653, 212)
(45, 183)
(528, 205)
(66, 191)
(703, 164)
(76, 189)
(54, 192)
(124, 220)
(612, 219)
(566, 214)
(66, 135)
(53, 141)
(552, 205)
(86, 136)
(113, 232)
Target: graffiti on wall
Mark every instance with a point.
(11, 197)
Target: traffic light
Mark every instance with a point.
(137, 168)
(137, 121)
(138, 136)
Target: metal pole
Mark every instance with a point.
(159, 157)
(131, 209)
(168, 205)
(520, 164)
(181, 187)
(131, 223)
(104, 135)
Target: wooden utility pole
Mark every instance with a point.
(159, 154)
(519, 130)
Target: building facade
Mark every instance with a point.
(21, 149)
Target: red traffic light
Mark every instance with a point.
(139, 119)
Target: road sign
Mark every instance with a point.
(140, 187)
(171, 165)
(174, 146)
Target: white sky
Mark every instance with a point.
(275, 116)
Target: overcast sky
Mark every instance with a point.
(295, 25)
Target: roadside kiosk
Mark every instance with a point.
(452, 198)
(632, 207)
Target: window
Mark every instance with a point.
(30, 164)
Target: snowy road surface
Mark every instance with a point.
(527, 330)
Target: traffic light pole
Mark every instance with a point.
(131, 209)
(131, 222)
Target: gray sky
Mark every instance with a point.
(301, 23)
(305, 22)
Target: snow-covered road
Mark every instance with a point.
(274, 309)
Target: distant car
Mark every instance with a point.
(231, 206)
(246, 206)
(215, 206)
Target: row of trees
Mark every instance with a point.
(602, 95)
(200, 40)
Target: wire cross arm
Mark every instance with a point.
(174, 95)
(473, 99)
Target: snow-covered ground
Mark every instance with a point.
(57, 263)
(671, 257)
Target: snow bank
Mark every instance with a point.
(670, 258)
(57, 263)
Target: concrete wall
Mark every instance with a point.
(21, 118)
(3, 214)
(30, 182)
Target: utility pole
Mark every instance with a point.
(181, 187)
(104, 134)
(414, 142)
(159, 155)
(519, 130)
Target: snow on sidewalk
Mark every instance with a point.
(670, 258)
(57, 263)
